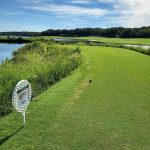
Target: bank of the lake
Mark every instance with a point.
(138, 46)
(41, 64)
(111, 112)
(7, 49)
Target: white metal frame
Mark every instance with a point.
(21, 85)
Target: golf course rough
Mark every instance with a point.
(110, 113)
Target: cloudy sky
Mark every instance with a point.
(39, 15)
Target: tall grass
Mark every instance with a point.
(119, 45)
(39, 63)
(81, 42)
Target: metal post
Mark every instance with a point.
(24, 118)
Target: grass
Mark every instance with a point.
(41, 64)
(144, 41)
(112, 112)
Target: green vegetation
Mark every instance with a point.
(107, 42)
(111, 112)
(138, 49)
(8, 39)
(13, 39)
(40, 63)
(142, 32)
(89, 41)
(144, 41)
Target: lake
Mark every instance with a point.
(23, 37)
(69, 40)
(140, 46)
(7, 49)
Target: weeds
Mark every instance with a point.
(39, 63)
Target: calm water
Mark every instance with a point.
(64, 40)
(140, 46)
(7, 49)
(24, 37)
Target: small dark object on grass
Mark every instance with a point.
(90, 81)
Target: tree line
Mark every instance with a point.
(22, 33)
(143, 32)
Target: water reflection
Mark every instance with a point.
(7, 49)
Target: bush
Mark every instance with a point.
(39, 63)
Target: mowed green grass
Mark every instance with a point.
(111, 113)
(144, 41)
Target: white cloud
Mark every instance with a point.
(91, 1)
(106, 1)
(80, 1)
(133, 13)
(128, 13)
(69, 9)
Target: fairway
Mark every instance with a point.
(110, 113)
(143, 41)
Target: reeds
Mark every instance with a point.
(39, 63)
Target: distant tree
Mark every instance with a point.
(108, 32)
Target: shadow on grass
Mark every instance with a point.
(3, 140)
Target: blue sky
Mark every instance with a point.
(39, 15)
